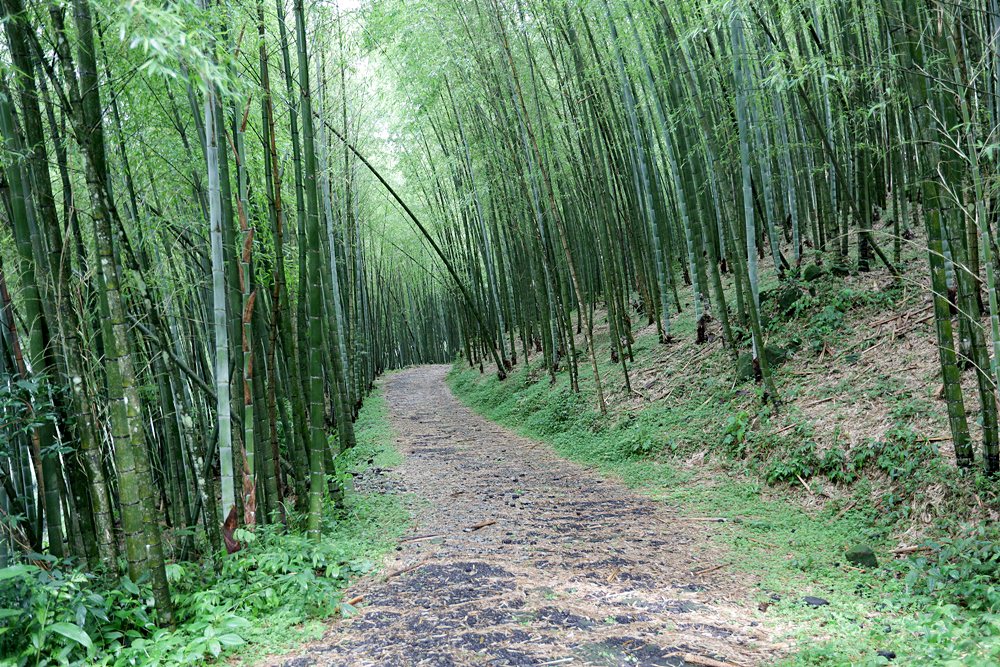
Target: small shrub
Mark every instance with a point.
(798, 462)
(834, 465)
(734, 437)
(963, 570)
(639, 441)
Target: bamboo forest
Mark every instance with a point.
(499, 332)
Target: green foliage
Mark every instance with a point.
(734, 438)
(37, 610)
(834, 465)
(799, 462)
(556, 415)
(24, 405)
(576, 428)
(910, 462)
(950, 637)
(639, 438)
(171, 40)
(824, 310)
(955, 586)
(962, 570)
(64, 616)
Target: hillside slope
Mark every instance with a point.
(856, 454)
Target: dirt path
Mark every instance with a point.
(572, 569)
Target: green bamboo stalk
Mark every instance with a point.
(221, 325)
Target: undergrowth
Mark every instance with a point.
(265, 596)
(939, 607)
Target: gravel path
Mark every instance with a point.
(518, 557)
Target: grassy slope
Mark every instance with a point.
(702, 443)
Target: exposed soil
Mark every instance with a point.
(518, 557)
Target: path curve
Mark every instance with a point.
(576, 569)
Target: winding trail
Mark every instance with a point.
(565, 567)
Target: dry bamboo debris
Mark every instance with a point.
(408, 568)
(420, 538)
(705, 661)
(805, 484)
(707, 570)
(700, 356)
(431, 536)
(785, 429)
(821, 401)
(903, 551)
(896, 331)
(478, 526)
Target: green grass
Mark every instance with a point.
(788, 551)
